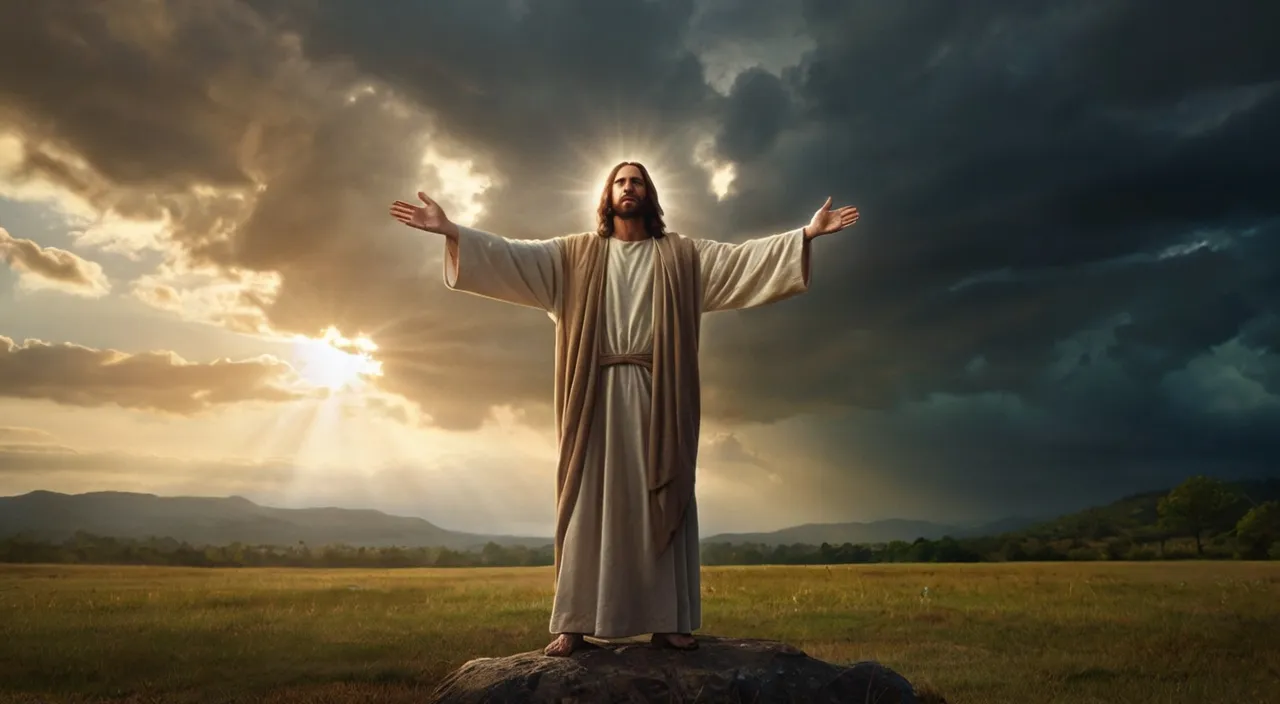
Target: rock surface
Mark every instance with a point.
(720, 670)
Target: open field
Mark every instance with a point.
(1049, 632)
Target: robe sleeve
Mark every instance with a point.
(755, 272)
(524, 272)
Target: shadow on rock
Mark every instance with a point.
(720, 670)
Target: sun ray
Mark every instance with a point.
(282, 435)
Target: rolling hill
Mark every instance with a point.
(869, 533)
(1138, 513)
(221, 521)
(202, 521)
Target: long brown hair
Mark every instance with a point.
(653, 223)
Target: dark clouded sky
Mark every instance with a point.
(1064, 286)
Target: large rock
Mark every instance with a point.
(720, 670)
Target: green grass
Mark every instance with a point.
(1051, 632)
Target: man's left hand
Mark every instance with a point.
(827, 221)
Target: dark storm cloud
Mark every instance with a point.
(982, 153)
(64, 66)
(531, 90)
(1071, 209)
(755, 113)
(1066, 262)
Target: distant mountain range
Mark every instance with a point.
(873, 532)
(221, 521)
(1127, 514)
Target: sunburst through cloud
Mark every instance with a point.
(334, 362)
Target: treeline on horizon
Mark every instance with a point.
(1201, 518)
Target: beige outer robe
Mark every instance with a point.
(611, 584)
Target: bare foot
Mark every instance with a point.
(564, 644)
(679, 641)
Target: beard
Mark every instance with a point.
(638, 209)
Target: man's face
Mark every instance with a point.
(628, 192)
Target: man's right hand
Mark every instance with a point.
(428, 217)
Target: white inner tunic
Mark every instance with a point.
(611, 584)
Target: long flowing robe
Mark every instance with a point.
(612, 579)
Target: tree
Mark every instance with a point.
(494, 554)
(949, 549)
(1258, 529)
(1195, 506)
(922, 550)
(1158, 534)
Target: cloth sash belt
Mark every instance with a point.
(644, 360)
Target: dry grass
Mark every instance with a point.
(1056, 632)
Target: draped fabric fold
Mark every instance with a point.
(676, 406)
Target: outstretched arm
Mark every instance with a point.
(767, 269)
(524, 272)
(753, 273)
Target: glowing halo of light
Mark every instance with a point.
(594, 157)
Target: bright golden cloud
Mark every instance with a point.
(50, 267)
(158, 381)
(232, 298)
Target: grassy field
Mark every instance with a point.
(1054, 632)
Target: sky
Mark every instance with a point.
(1064, 286)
